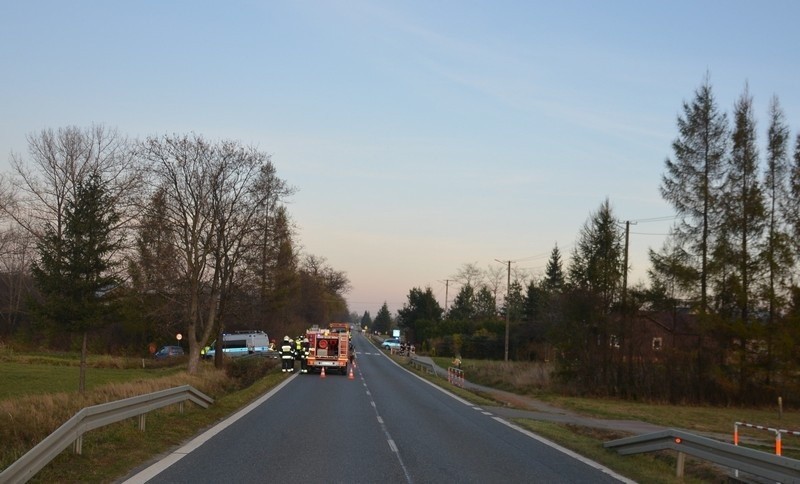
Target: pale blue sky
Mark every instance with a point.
(422, 135)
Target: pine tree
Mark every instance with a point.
(383, 320)
(463, 308)
(692, 178)
(485, 305)
(366, 319)
(596, 265)
(74, 271)
(743, 212)
(554, 273)
(737, 257)
(792, 208)
(595, 276)
(420, 314)
(777, 251)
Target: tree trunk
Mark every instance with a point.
(84, 351)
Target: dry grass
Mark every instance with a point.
(513, 376)
(25, 421)
(533, 380)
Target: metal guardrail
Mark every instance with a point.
(419, 364)
(774, 467)
(90, 418)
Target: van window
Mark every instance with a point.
(237, 343)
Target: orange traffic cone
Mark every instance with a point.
(322, 374)
(351, 376)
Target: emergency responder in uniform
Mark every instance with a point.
(287, 355)
(304, 350)
(351, 353)
(298, 349)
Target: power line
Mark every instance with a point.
(655, 219)
(538, 256)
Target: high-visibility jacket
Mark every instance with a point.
(287, 350)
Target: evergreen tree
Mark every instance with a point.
(743, 212)
(276, 269)
(692, 178)
(533, 303)
(463, 308)
(514, 302)
(533, 327)
(777, 251)
(485, 305)
(737, 257)
(154, 272)
(366, 319)
(672, 276)
(75, 271)
(597, 261)
(554, 273)
(595, 277)
(421, 314)
(792, 208)
(383, 320)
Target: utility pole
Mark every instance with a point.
(446, 290)
(625, 268)
(508, 302)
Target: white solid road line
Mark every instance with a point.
(177, 455)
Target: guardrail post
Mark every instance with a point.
(736, 443)
(680, 465)
(142, 421)
(77, 446)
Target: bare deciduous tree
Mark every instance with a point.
(213, 194)
(46, 182)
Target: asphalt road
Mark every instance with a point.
(385, 425)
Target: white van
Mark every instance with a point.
(240, 343)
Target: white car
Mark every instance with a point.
(390, 343)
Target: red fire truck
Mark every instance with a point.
(328, 349)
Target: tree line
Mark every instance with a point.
(117, 245)
(719, 320)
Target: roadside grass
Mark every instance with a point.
(707, 419)
(43, 377)
(525, 378)
(111, 451)
(120, 450)
(653, 468)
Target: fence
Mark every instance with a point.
(777, 432)
(455, 376)
(90, 418)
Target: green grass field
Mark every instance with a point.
(21, 379)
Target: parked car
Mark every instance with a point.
(168, 351)
(391, 343)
